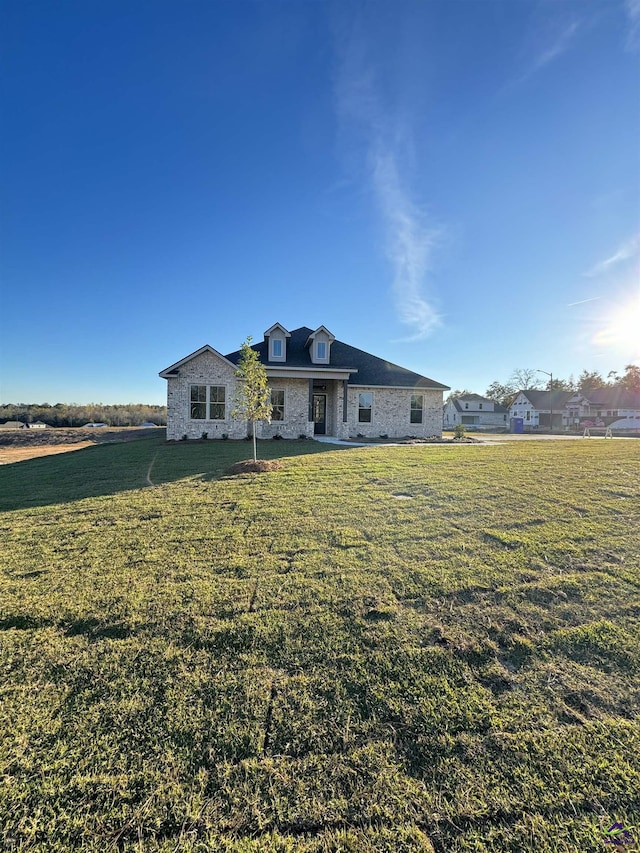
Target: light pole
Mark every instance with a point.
(550, 375)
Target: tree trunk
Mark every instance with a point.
(255, 452)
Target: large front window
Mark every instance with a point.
(217, 401)
(207, 402)
(365, 405)
(277, 404)
(198, 409)
(416, 408)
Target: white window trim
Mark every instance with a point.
(421, 410)
(208, 403)
(358, 407)
(272, 355)
(284, 406)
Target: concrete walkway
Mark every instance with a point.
(329, 439)
(479, 439)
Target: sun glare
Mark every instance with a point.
(621, 328)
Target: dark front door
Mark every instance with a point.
(320, 414)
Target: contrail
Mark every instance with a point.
(582, 301)
(409, 238)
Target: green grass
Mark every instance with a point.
(368, 649)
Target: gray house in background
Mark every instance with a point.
(474, 413)
(319, 386)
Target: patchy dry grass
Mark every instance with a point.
(376, 649)
(9, 455)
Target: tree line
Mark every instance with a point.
(74, 414)
(528, 379)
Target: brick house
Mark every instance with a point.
(319, 386)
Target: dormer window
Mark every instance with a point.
(319, 343)
(276, 339)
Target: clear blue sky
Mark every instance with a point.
(453, 185)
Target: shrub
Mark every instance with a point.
(205, 436)
(459, 431)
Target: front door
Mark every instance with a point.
(319, 414)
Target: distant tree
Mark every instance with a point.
(590, 380)
(253, 397)
(456, 393)
(525, 379)
(631, 378)
(504, 394)
(560, 385)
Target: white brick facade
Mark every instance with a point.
(202, 389)
(205, 369)
(296, 411)
(391, 413)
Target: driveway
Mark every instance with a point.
(498, 438)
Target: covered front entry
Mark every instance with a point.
(319, 409)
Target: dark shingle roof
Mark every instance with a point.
(543, 400)
(614, 398)
(371, 370)
(476, 398)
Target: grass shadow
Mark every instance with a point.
(109, 469)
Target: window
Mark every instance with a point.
(480, 405)
(466, 405)
(321, 350)
(528, 415)
(277, 404)
(365, 405)
(276, 348)
(416, 409)
(207, 397)
(217, 394)
(198, 402)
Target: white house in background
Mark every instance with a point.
(535, 408)
(319, 386)
(475, 412)
(605, 407)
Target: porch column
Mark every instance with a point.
(310, 400)
(344, 401)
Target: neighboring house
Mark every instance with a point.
(604, 407)
(475, 412)
(13, 425)
(319, 386)
(535, 408)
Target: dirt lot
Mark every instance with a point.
(17, 445)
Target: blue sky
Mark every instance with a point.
(454, 186)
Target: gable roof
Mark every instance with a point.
(366, 369)
(276, 326)
(614, 398)
(174, 368)
(477, 398)
(543, 400)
